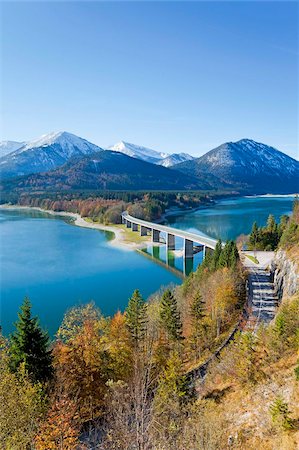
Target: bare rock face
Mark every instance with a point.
(285, 274)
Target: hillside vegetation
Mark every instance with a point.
(124, 382)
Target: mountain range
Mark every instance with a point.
(65, 161)
(106, 170)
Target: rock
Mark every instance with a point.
(285, 275)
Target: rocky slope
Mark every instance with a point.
(285, 274)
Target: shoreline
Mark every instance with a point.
(119, 235)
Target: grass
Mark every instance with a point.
(132, 236)
(252, 258)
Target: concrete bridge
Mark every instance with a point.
(192, 243)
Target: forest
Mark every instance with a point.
(106, 206)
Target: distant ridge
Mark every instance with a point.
(106, 170)
(7, 147)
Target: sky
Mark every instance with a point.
(172, 76)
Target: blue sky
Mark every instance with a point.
(173, 76)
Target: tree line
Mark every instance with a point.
(284, 233)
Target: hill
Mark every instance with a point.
(107, 170)
(248, 165)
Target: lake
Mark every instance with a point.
(229, 218)
(59, 265)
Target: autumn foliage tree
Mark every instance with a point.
(60, 429)
(82, 369)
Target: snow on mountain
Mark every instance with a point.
(7, 147)
(136, 151)
(175, 158)
(45, 153)
(70, 143)
(149, 155)
(253, 166)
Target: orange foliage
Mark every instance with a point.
(60, 430)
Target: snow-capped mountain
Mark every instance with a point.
(7, 147)
(149, 155)
(136, 151)
(253, 166)
(45, 153)
(175, 158)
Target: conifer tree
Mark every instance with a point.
(254, 235)
(225, 255)
(217, 253)
(197, 308)
(234, 255)
(30, 346)
(136, 317)
(170, 316)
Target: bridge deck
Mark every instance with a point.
(203, 240)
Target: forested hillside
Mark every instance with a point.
(124, 382)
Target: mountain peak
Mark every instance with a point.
(45, 153)
(254, 166)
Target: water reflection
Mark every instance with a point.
(173, 259)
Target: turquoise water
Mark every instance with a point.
(227, 219)
(59, 265)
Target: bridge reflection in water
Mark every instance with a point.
(173, 260)
(179, 250)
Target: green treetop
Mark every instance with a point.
(170, 316)
(136, 317)
(30, 346)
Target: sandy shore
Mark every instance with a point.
(118, 240)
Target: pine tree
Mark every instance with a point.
(136, 317)
(197, 309)
(234, 256)
(170, 316)
(217, 253)
(254, 235)
(30, 346)
(224, 258)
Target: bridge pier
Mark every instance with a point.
(143, 231)
(155, 235)
(188, 248)
(134, 226)
(123, 220)
(129, 224)
(170, 241)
